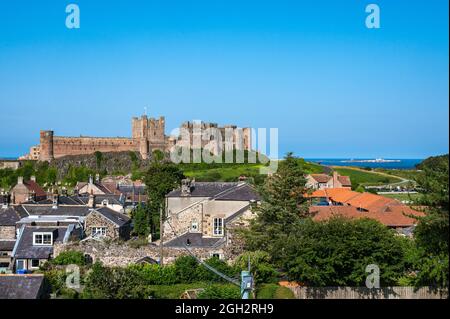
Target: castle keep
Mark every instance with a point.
(147, 135)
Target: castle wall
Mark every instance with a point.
(63, 146)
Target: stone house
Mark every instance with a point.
(321, 181)
(25, 191)
(8, 219)
(34, 245)
(199, 213)
(106, 223)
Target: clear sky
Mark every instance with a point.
(312, 69)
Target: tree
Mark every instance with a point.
(283, 206)
(160, 178)
(336, 252)
(432, 231)
(141, 221)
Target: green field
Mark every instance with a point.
(404, 197)
(366, 178)
(410, 174)
(203, 172)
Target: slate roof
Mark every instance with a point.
(61, 210)
(196, 240)
(6, 245)
(21, 286)
(130, 189)
(115, 217)
(9, 216)
(223, 191)
(112, 199)
(25, 248)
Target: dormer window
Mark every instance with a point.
(42, 239)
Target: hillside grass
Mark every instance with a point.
(366, 178)
(230, 172)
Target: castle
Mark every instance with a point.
(147, 135)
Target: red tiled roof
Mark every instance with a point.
(36, 188)
(396, 216)
(321, 178)
(344, 180)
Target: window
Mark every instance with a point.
(215, 255)
(34, 263)
(98, 231)
(20, 264)
(218, 226)
(42, 239)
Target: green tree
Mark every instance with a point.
(160, 178)
(336, 252)
(282, 207)
(141, 222)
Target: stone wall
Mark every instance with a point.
(115, 254)
(95, 219)
(7, 232)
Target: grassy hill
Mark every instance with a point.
(366, 178)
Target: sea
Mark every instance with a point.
(392, 163)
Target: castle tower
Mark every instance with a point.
(46, 146)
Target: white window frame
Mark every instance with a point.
(195, 229)
(34, 267)
(42, 243)
(98, 231)
(219, 229)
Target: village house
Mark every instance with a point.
(344, 202)
(321, 181)
(25, 191)
(8, 219)
(34, 245)
(104, 223)
(199, 214)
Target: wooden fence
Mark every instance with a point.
(368, 293)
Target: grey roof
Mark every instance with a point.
(6, 245)
(132, 189)
(220, 190)
(204, 189)
(25, 248)
(242, 193)
(115, 217)
(8, 216)
(195, 239)
(21, 286)
(61, 210)
(112, 199)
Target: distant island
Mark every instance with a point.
(377, 160)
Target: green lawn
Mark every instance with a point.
(366, 178)
(230, 172)
(404, 197)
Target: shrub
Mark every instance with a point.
(263, 271)
(69, 257)
(220, 292)
(185, 269)
(204, 274)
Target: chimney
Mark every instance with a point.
(55, 199)
(91, 201)
(186, 187)
(335, 179)
(5, 200)
(33, 178)
(20, 180)
(90, 179)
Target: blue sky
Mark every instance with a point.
(312, 69)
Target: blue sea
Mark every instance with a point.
(398, 164)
